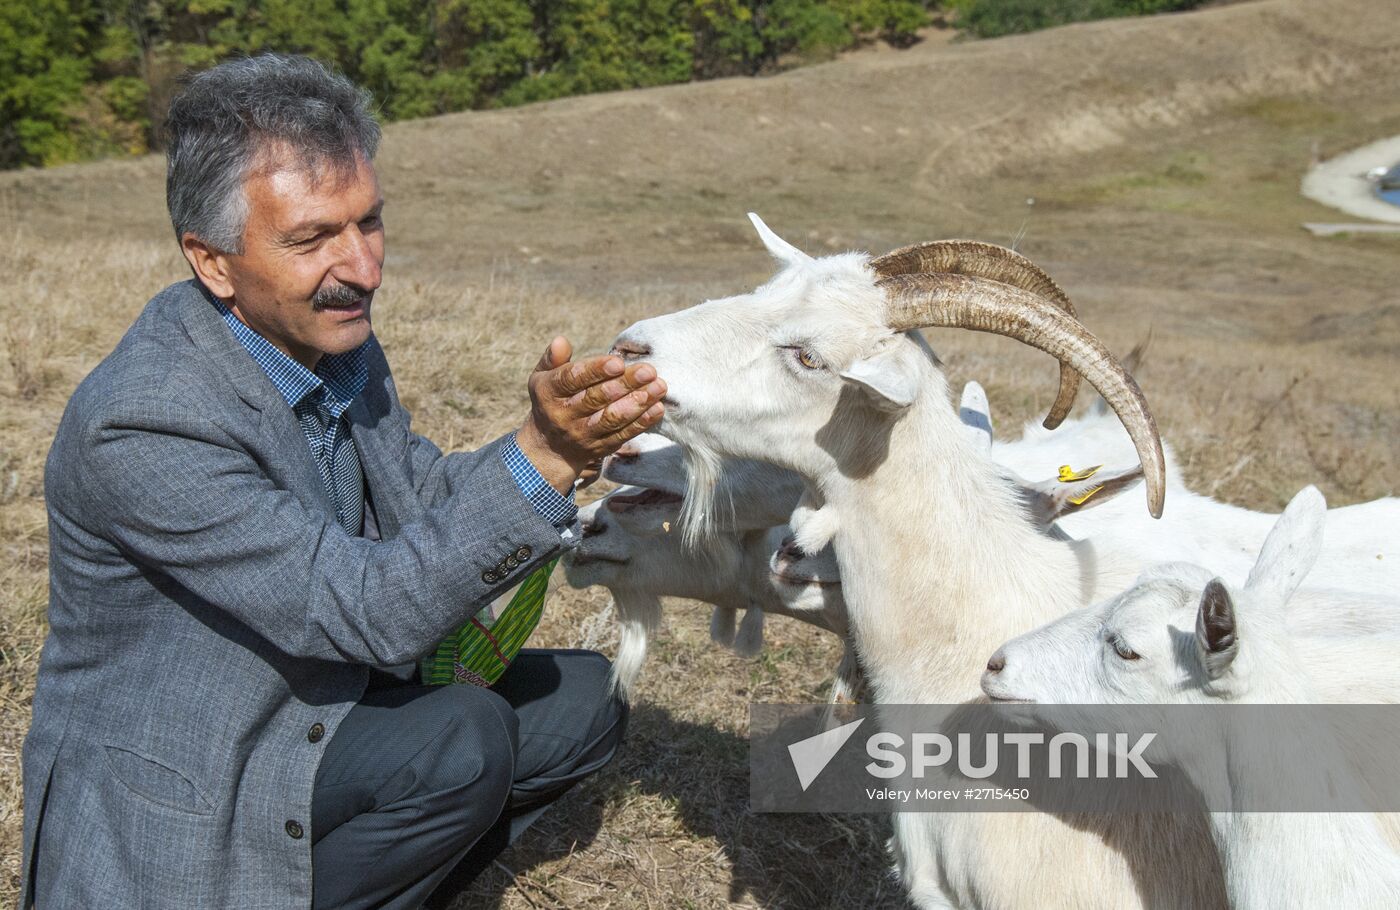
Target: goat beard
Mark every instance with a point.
(704, 467)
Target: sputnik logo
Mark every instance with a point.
(810, 756)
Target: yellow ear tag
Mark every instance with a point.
(1068, 474)
(1084, 497)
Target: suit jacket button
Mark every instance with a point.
(294, 829)
(523, 553)
(317, 731)
(489, 577)
(512, 562)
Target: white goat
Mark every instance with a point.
(1129, 651)
(629, 547)
(939, 562)
(746, 496)
(1197, 528)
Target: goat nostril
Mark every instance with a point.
(591, 530)
(790, 549)
(997, 663)
(630, 350)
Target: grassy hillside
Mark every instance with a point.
(1151, 166)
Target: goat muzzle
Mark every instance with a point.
(629, 349)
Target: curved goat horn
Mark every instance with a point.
(987, 260)
(962, 301)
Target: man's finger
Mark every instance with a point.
(576, 377)
(556, 355)
(596, 397)
(650, 418)
(620, 413)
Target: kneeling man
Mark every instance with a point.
(250, 547)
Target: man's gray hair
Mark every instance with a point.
(227, 118)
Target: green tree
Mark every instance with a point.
(727, 42)
(84, 78)
(992, 18)
(813, 31)
(603, 45)
(480, 48)
(896, 21)
(42, 74)
(733, 37)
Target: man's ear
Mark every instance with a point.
(1217, 639)
(886, 376)
(1290, 549)
(210, 266)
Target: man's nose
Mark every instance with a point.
(362, 263)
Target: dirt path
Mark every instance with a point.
(1341, 181)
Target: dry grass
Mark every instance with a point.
(1164, 178)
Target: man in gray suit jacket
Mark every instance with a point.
(247, 538)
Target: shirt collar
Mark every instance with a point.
(343, 376)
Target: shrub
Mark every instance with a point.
(86, 78)
(992, 18)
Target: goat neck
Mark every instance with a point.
(1297, 859)
(938, 559)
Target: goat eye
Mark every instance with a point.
(1123, 651)
(808, 359)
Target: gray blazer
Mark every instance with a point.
(210, 622)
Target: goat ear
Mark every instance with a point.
(1051, 500)
(886, 378)
(780, 249)
(976, 414)
(1216, 629)
(1291, 548)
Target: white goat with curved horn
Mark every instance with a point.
(939, 561)
(936, 554)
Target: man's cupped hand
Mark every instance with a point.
(581, 412)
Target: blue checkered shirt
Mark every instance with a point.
(320, 399)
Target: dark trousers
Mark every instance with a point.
(422, 786)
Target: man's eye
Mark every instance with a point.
(372, 223)
(1121, 648)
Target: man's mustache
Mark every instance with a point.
(337, 295)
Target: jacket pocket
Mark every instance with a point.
(156, 782)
